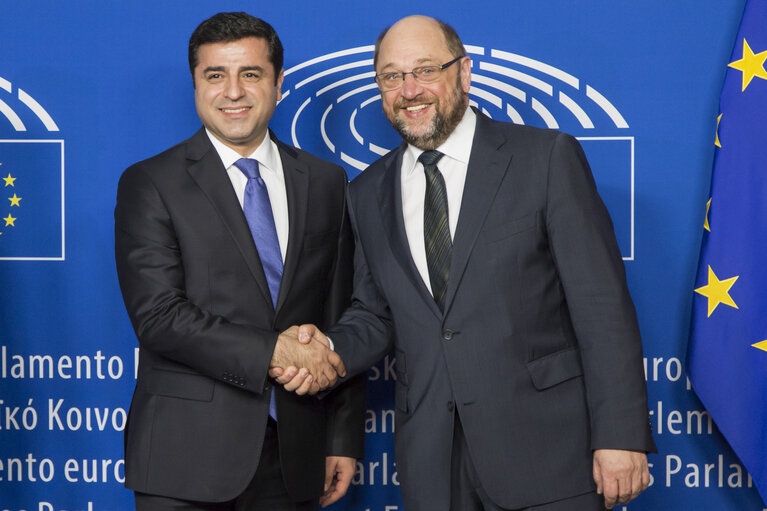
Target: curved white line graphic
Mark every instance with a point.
(377, 149)
(577, 111)
(346, 80)
(355, 133)
(608, 107)
(514, 115)
(295, 120)
(501, 86)
(38, 110)
(5, 84)
(484, 111)
(477, 50)
(11, 116)
(518, 75)
(370, 100)
(351, 65)
(328, 143)
(537, 65)
(545, 114)
(322, 58)
(359, 165)
(357, 91)
(487, 96)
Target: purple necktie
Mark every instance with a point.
(258, 213)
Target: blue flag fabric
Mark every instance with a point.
(727, 353)
(31, 200)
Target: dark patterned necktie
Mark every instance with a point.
(436, 227)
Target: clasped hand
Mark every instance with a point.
(303, 361)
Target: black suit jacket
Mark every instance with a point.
(538, 348)
(198, 299)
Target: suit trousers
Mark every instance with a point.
(467, 494)
(266, 491)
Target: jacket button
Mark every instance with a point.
(447, 334)
(450, 406)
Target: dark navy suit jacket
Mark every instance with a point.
(198, 299)
(538, 349)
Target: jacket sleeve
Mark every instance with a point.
(150, 269)
(589, 264)
(364, 334)
(345, 405)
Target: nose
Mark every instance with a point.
(233, 89)
(410, 87)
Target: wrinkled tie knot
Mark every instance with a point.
(430, 158)
(249, 167)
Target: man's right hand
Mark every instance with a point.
(300, 380)
(319, 365)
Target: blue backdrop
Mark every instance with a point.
(88, 88)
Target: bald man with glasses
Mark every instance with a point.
(487, 260)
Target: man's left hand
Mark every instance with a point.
(620, 475)
(339, 471)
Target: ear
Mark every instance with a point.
(466, 74)
(280, 78)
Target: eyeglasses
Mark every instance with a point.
(424, 74)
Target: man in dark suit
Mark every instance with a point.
(486, 258)
(221, 242)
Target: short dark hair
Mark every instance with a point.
(226, 27)
(454, 44)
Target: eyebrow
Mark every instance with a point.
(221, 69)
(418, 62)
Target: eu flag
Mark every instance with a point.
(31, 199)
(727, 353)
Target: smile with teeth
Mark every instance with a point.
(235, 110)
(416, 108)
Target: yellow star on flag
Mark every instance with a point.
(15, 200)
(761, 345)
(716, 140)
(9, 180)
(705, 222)
(750, 65)
(9, 220)
(717, 291)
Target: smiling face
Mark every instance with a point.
(236, 91)
(423, 114)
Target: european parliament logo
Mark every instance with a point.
(31, 180)
(333, 109)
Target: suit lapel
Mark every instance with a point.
(488, 163)
(390, 204)
(297, 187)
(208, 172)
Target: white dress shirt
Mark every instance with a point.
(453, 166)
(270, 168)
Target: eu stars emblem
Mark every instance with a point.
(31, 200)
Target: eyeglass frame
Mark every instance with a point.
(415, 72)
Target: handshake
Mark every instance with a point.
(303, 362)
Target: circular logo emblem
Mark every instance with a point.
(333, 105)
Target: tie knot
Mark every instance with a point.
(430, 158)
(249, 167)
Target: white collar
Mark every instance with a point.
(458, 144)
(266, 153)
